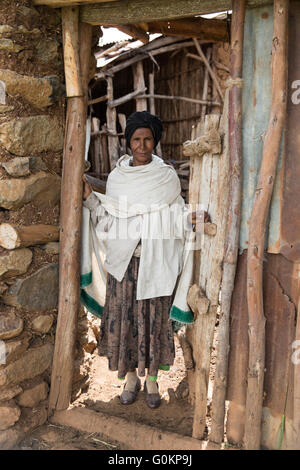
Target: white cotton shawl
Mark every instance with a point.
(141, 203)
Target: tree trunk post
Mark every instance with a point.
(257, 228)
(71, 210)
(233, 221)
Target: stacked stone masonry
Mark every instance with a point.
(32, 113)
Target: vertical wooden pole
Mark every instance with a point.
(257, 228)
(139, 84)
(111, 120)
(233, 221)
(71, 210)
(152, 106)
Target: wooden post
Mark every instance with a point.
(257, 228)
(233, 220)
(111, 120)
(139, 84)
(152, 106)
(71, 211)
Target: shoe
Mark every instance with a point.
(127, 397)
(153, 400)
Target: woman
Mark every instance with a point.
(142, 271)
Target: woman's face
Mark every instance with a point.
(142, 145)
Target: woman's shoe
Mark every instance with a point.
(153, 400)
(127, 397)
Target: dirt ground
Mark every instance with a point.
(175, 413)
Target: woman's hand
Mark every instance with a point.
(86, 188)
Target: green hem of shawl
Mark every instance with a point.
(91, 304)
(181, 315)
(86, 279)
(163, 367)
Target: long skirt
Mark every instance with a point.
(135, 333)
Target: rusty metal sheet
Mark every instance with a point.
(281, 292)
(256, 103)
(289, 244)
(283, 234)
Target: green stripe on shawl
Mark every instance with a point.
(86, 279)
(181, 315)
(163, 367)
(91, 304)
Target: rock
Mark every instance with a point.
(31, 397)
(5, 28)
(32, 134)
(10, 46)
(29, 420)
(15, 349)
(5, 109)
(10, 326)
(18, 166)
(9, 414)
(88, 342)
(22, 166)
(81, 368)
(3, 287)
(51, 247)
(42, 323)
(22, 30)
(42, 188)
(46, 51)
(40, 92)
(15, 262)
(36, 292)
(34, 362)
(10, 393)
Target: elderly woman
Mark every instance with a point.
(143, 268)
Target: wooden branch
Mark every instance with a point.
(97, 100)
(126, 98)
(233, 220)
(139, 84)
(12, 236)
(152, 106)
(182, 98)
(145, 55)
(122, 121)
(210, 70)
(257, 228)
(71, 51)
(111, 119)
(203, 28)
(134, 31)
(187, 350)
(70, 238)
(138, 11)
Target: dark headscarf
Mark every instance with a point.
(143, 119)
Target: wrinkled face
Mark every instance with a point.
(142, 145)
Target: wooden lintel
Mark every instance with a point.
(203, 28)
(138, 11)
(67, 3)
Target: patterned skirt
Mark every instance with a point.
(135, 333)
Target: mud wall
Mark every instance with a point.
(32, 115)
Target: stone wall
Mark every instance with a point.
(32, 115)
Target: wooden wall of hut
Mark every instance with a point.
(176, 74)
